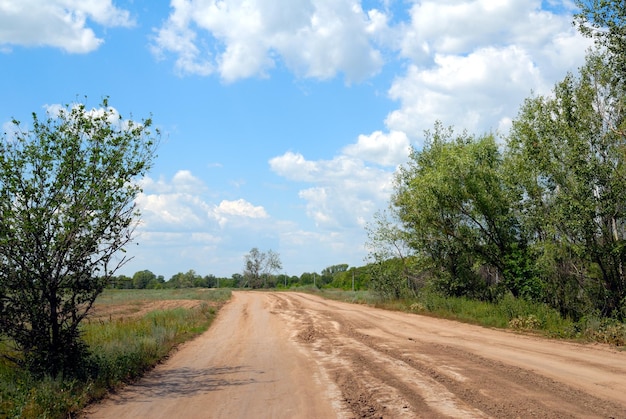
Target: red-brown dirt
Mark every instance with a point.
(290, 355)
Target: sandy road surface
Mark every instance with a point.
(289, 355)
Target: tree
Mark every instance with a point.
(456, 211)
(390, 256)
(141, 279)
(121, 282)
(568, 154)
(258, 266)
(329, 272)
(67, 191)
(189, 279)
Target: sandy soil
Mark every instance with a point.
(289, 355)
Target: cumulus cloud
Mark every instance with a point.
(178, 215)
(239, 39)
(385, 149)
(227, 210)
(58, 23)
(345, 190)
(471, 63)
(179, 203)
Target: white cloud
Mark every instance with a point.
(473, 92)
(172, 211)
(178, 203)
(182, 182)
(58, 23)
(473, 62)
(459, 27)
(345, 193)
(240, 209)
(245, 38)
(385, 149)
(180, 222)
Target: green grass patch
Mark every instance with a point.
(121, 350)
(508, 313)
(116, 297)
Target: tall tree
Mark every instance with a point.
(67, 190)
(568, 154)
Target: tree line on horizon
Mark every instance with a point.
(334, 276)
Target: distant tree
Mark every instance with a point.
(158, 282)
(141, 279)
(238, 280)
(121, 282)
(188, 279)
(209, 281)
(67, 193)
(309, 278)
(260, 266)
(332, 270)
(329, 272)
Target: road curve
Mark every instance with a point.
(292, 355)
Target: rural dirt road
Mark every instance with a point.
(290, 355)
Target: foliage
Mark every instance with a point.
(146, 279)
(567, 151)
(456, 212)
(67, 189)
(391, 259)
(355, 279)
(260, 266)
(541, 218)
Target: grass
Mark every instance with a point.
(122, 349)
(508, 313)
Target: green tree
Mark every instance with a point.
(141, 279)
(329, 273)
(456, 210)
(121, 282)
(567, 150)
(389, 258)
(189, 279)
(67, 191)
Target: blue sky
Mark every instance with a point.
(283, 120)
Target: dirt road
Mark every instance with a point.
(289, 355)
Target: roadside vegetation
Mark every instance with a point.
(511, 313)
(121, 347)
